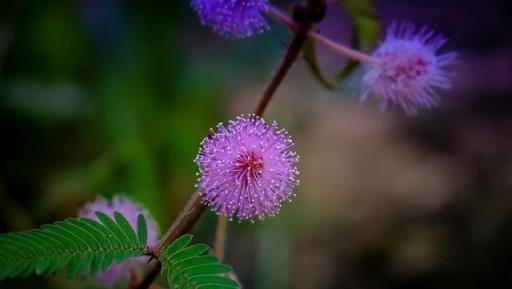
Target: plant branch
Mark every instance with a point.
(220, 237)
(342, 49)
(150, 276)
(194, 207)
(183, 223)
(292, 53)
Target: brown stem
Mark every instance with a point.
(194, 208)
(150, 276)
(292, 53)
(220, 237)
(135, 277)
(183, 224)
(319, 38)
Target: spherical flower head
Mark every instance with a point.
(247, 168)
(408, 69)
(232, 18)
(130, 210)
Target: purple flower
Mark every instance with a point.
(247, 168)
(130, 210)
(408, 68)
(232, 18)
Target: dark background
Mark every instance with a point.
(108, 97)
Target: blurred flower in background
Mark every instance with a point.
(407, 69)
(232, 18)
(130, 210)
(101, 96)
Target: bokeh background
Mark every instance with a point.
(101, 97)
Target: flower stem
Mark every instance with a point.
(220, 237)
(194, 208)
(344, 50)
(181, 225)
(292, 53)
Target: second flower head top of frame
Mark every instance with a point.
(232, 18)
(247, 168)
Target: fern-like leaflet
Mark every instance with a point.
(83, 245)
(187, 268)
(87, 246)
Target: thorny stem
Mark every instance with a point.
(344, 50)
(194, 208)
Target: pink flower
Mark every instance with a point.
(232, 18)
(408, 69)
(130, 210)
(247, 168)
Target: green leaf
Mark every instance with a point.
(62, 234)
(198, 260)
(176, 281)
(82, 245)
(211, 280)
(108, 259)
(95, 232)
(58, 263)
(97, 262)
(42, 265)
(114, 228)
(179, 244)
(365, 30)
(127, 228)
(187, 268)
(114, 241)
(171, 275)
(88, 238)
(187, 252)
(85, 261)
(365, 22)
(215, 286)
(309, 54)
(142, 230)
(208, 269)
(73, 266)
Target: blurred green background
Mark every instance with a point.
(109, 96)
